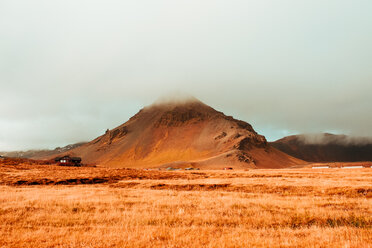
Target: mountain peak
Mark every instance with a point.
(175, 112)
(176, 99)
(182, 131)
(179, 104)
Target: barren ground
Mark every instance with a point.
(50, 206)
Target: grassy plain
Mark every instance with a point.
(50, 206)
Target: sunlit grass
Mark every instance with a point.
(258, 208)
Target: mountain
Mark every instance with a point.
(41, 153)
(183, 134)
(326, 147)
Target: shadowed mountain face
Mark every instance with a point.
(183, 134)
(326, 148)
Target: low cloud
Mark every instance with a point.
(69, 70)
(326, 139)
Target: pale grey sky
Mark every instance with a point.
(71, 69)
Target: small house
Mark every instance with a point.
(68, 161)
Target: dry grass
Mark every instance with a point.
(257, 208)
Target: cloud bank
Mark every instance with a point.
(71, 69)
(326, 139)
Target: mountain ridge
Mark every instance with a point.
(326, 147)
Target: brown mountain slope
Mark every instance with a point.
(326, 148)
(183, 135)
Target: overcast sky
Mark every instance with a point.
(71, 69)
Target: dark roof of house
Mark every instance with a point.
(74, 159)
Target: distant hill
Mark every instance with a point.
(41, 153)
(183, 134)
(326, 147)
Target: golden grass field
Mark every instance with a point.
(50, 206)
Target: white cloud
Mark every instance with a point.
(285, 66)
